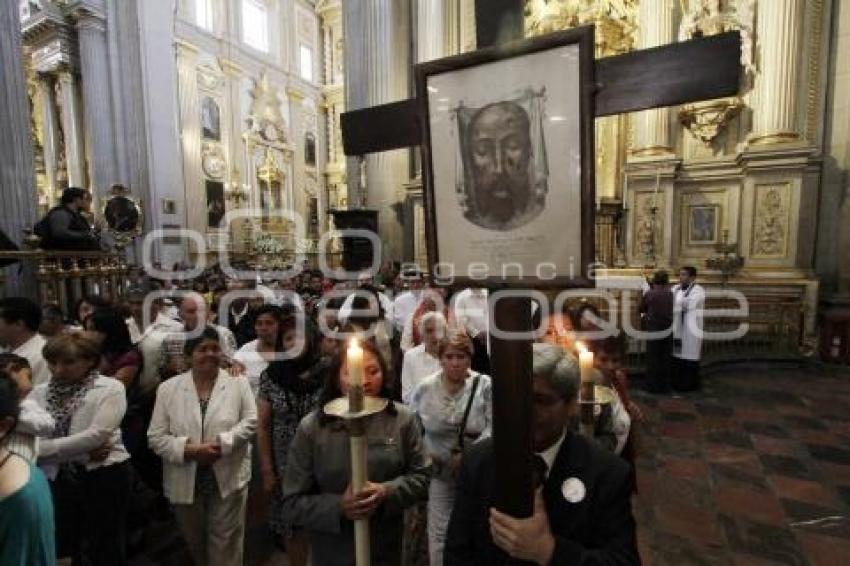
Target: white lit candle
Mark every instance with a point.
(354, 363)
(587, 392)
(585, 364)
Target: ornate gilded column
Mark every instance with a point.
(333, 91)
(466, 26)
(190, 135)
(17, 182)
(72, 129)
(50, 125)
(779, 25)
(97, 101)
(652, 127)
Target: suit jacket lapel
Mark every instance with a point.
(192, 404)
(218, 393)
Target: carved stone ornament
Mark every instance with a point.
(711, 17)
(648, 226)
(771, 224)
(615, 21)
(265, 118)
(212, 160)
(707, 118)
(210, 78)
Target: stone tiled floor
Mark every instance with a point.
(753, 470)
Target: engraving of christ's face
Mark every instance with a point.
(499, 146)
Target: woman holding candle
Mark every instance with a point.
(454, 406)
(317, 493)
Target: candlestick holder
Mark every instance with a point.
(354, 413)
(589, 399)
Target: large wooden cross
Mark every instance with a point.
(700, 69)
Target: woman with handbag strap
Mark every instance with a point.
(454, 407)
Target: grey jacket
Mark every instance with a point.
(318, 472)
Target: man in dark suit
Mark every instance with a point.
(582, 512)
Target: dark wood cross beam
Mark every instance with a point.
(699, 69)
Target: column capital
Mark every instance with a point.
(89, 15)
(295, 94)
(185, 49)
(230, 67)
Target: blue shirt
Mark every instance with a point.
(26, 524)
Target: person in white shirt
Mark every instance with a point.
(364, 289)
(405, 304)
(20, 318)
(85, 458)
(202, 426)
(149, 338)
(688, 307)
(472, 312)
(194, 311)
(256, 354)
(33, 421)
(424, 359)
(454, 406)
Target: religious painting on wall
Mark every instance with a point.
(215, 204)
(310, 150)
(210, 119)
(508, 160)
(702, 225)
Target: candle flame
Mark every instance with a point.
(581, 347)
(354, 344)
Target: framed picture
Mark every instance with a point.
(210, 119)
(169, 206)
(508, 145)
(703, 223)
(215, 204)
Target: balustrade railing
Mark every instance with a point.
(63, 277)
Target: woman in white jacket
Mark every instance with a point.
(202, 426)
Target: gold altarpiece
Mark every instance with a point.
(727, 185)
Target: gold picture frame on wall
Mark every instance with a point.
(703, 225)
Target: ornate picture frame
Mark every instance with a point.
(703, 225)
(508, 162)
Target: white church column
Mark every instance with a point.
(778, 40)
(298, 203)
(17, 176)
(377, 70)
(50, 143)
(190, 136)
(652, 127)
(436, 29)
(72, 129)
(97, 102)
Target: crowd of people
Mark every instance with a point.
(204, 396)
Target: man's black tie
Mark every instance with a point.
(540, 470)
